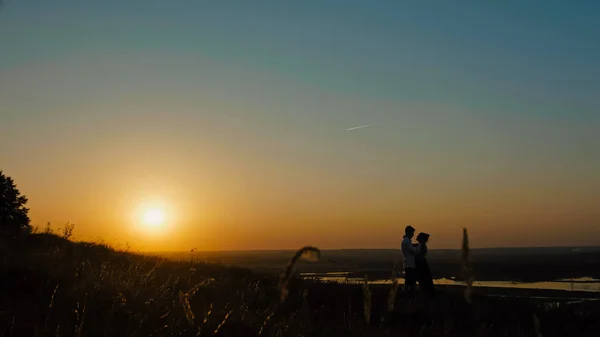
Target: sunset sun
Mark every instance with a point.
(154, 217)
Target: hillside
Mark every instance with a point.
(54, 287)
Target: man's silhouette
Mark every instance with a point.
(410, 266)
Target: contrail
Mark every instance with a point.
(358, 127)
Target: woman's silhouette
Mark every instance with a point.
(423, 272)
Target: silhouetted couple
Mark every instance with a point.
(416, 268)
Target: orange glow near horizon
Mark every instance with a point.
(329, 197)
(262, 161)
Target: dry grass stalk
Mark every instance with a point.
(80, 317)
(393, 290)
(262, 328)
(50, 307)
(202, 284)
(222, 322)
(367, 300)
(208, 313)
(537, 326)
(308, 253)
(468, 272)
(185, 302)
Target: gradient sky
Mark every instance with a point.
(233, 115)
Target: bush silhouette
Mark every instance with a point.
(13, 213)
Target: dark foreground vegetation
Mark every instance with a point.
(50, 286)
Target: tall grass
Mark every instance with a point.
(308, 253)
(537, 327)
(60, 288)
(466, 264)
(393, 289)
(367, 303)
(184, 299)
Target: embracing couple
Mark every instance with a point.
(416, 268)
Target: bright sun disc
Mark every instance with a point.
(154, 217)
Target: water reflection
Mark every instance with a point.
(579, 284)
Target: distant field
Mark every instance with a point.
(494, 264)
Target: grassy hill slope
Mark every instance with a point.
(50, 286)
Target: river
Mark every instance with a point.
(576, 284)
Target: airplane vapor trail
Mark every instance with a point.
(358, 127)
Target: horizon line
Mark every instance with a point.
(358, 249)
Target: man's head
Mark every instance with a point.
(409, 231)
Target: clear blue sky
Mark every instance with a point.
(488, 102)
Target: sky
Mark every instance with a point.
(232, 118)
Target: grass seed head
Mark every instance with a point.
(308, 253)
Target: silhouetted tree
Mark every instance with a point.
(13, 213)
